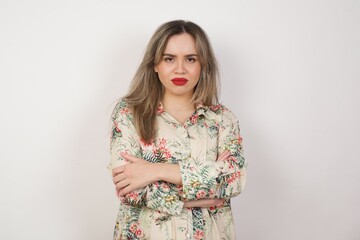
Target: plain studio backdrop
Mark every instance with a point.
(289, 69)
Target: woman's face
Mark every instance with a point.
(179, 68)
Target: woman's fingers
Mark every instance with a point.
(135, 174)
(126, 190)
(219, 202)
(122, 184)
(118, 178)
(118, 170)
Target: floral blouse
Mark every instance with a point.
(156, 211)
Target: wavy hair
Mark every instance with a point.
(146, 90)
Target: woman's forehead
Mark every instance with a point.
(181, 44)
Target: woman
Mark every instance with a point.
(176, 153)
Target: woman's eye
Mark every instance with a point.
(168, 59)
(191, 59)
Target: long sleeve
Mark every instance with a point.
(217, 179)
(159, 195)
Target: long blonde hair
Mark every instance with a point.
(146, 90)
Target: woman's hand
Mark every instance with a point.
(137, 173)
(205, 203)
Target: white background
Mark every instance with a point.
(290, 72)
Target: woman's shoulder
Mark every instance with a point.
(121, 109)
(121, 103)
(221, 109)
(222, 113)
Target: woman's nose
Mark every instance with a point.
(180, 68)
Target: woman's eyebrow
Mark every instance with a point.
(172, 55)
(168, 55)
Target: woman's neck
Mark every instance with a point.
(177, 103)
(180, 108)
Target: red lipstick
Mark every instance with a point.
(179, 81)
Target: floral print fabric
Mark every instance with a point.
(156, 211)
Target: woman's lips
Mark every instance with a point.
(179, 81)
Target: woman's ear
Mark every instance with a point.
(155, 69)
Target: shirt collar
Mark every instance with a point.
(201, 109)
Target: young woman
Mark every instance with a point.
(176, 153)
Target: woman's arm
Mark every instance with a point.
(126, 178)
(140, 173)
(157, 195)
(219, 179)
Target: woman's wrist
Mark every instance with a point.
(168, 172)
